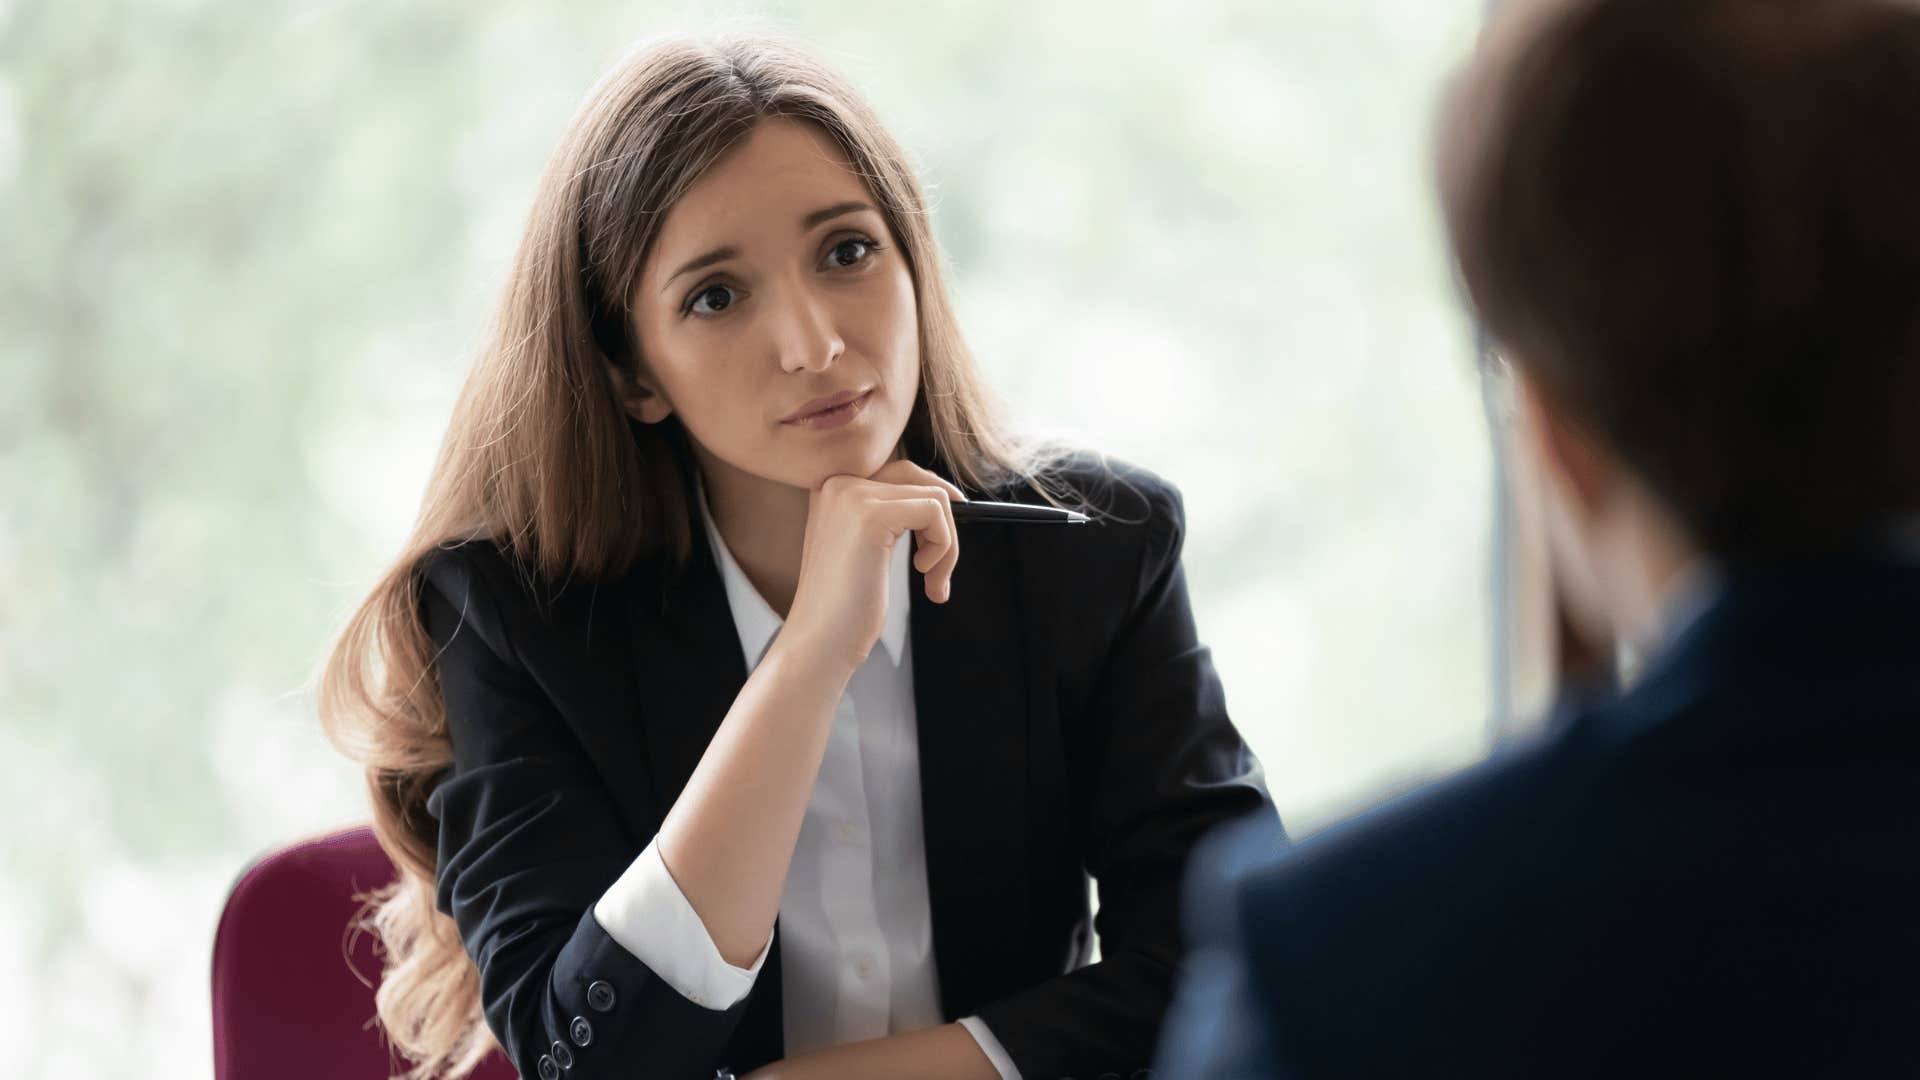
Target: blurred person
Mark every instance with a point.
(1691, 228)
(691, 760)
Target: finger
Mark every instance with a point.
(943, 571)
(925, 558)
(931, 522)
(937, 564)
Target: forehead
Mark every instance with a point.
(760, 188)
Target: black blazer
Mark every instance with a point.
(1714, 874)
(1070, 723)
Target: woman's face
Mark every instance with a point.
(776, 315)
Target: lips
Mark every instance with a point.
(823, 405)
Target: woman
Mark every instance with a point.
(682, 770)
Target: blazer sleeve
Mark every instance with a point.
(529, 839)
(1155, 763)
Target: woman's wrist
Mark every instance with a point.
(806, 666)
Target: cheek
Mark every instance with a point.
(714, 399)
(901, 330)
(704, 389)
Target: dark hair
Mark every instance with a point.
(1696, 225)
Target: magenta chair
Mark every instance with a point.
(287, 1002)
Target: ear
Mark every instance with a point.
(1579, 489)
(1583, 470)
(639, 395)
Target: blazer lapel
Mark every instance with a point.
(688, 667)
(688, 670)
(970, 696)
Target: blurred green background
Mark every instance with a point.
(248, 250)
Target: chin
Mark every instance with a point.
(810, 472)
(851, 462)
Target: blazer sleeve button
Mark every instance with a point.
(600, 996)
(548, 1070)
(562, 1055)
(581, 1032)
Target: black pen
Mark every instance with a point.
(1015, 514)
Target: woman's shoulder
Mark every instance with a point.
(460, 566)
(1117, 495)
(488, 580)
(1136, 519)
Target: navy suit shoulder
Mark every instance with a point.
(1728, 849)
(1318, 932)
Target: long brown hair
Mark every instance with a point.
(541, 458)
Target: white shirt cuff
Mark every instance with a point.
(996, 1053)
(650, 917)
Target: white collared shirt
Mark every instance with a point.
(856, 929)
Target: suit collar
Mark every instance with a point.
(972, 695)
(688, 667)
(1789, 641)
(1702, 585)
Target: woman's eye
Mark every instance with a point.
(711, 300)
(850, 252)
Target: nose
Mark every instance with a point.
(804, 335)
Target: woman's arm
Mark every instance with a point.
(946, 1052)
(758, 770)
(729, 839)
(529, 839)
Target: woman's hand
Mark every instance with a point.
(853, 524)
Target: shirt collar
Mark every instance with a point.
(1702, 583)
(757, 623)
(1692, 595)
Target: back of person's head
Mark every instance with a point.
(1694, 225)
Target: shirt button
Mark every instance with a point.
(863, 967)
(846, 832)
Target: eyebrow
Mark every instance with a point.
(828, 214)
(720, 255)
